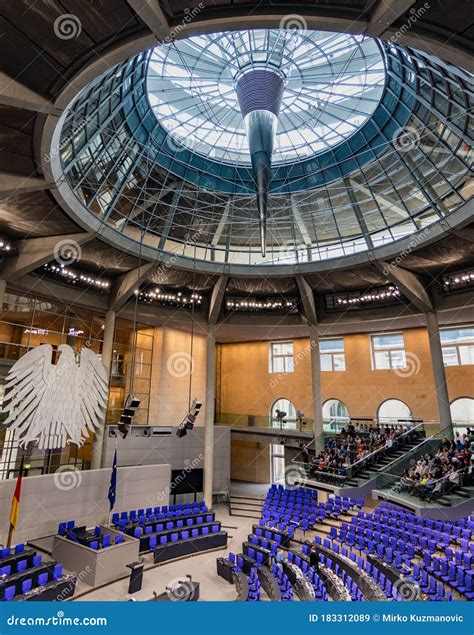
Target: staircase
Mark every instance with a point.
(457, 496)
(245, 506)
(383, 461)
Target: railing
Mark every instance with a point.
(350, 472)
(428, 445)
(396, 485)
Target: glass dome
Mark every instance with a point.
(399, 160)
(333, 82)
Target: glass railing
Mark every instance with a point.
(369, 462)
(390, 479)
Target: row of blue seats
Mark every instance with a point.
(394, 511)
(389, 535)
(177, 524)
(386, 553)
(27, 584)
(160, 513)
(350, 584)
(254, 586)
(457, 576)
(6, 552)
(181, 535)
(310, 574)
(455, 534)
(20, 565)
(263, 542)
(286, 588)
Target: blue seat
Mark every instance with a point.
(26, 585)
(19, 548)
(185, 534)
(42, 579)
(115, 518)
(105, 541)
(152, 543)
(118, 539)
(9, 593)
(58, 571)
(94, 545)
(5, 552)
(232, 558)
(37, 560)
(163, 540)
(70, 524)
(174, 537)
(205, 531)
(6, 570)
(21, 565)
(137, 532)
(194, 533)
(149, 529)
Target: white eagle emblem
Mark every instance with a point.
(56, 404)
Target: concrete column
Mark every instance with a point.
(316, 390)
(107, 350)
(439, 373)
(209, 420)
(3, 289)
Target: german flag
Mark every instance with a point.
(16, 498)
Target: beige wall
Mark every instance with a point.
(250, 461)
(171, 372)
(246, 387)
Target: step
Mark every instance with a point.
(248, 515)
(249, 506)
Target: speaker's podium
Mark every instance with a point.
(136, 577)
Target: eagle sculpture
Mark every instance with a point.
(56, 404)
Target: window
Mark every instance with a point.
(285, 406)
(335, 411)
(393, 410)
(388, 351)
(458, 346)
(332, 354)
(281, 357)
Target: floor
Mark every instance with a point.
(201, 567)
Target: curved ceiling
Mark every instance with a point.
(41, 72)
(127, 164)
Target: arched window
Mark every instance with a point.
(392, 410)
(283, 405)
(334, 413)
(462, 413)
